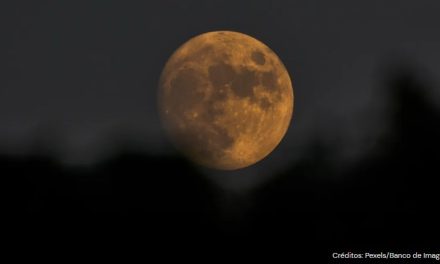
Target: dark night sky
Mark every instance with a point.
(80, 78)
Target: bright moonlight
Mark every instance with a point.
(225, 99)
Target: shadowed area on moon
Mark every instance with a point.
(183, 87)
(241, 83)
(214, 101)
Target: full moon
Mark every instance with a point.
(225, 99)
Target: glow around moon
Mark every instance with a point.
(225, 99)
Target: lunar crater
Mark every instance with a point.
(258, 57)
(265, 103)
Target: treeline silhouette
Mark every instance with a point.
(389, 200)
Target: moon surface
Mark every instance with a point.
(225, 100)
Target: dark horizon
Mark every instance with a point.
(385, 201)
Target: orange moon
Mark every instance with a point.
(225, 100)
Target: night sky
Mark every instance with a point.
(78, 119)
